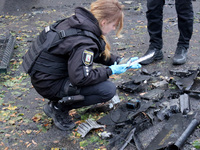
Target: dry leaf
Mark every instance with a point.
(28, 145)
(2, 144)
(7, 135)
(55, 142)
(34, 142)
(28, 131)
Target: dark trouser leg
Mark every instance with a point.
(154, 16)
(185, 21)
(185, 25)
(94, 94)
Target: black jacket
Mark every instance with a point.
(72, 50)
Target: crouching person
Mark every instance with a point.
(60, 61)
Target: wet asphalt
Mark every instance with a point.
(139, 42)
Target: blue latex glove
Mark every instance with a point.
(118, 69)
(133, 59)
(134, 66)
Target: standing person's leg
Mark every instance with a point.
(154, 16)
(184, 10)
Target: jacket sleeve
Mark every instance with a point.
(110, 61)
(76, 69)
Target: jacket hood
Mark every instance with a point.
(83, 19)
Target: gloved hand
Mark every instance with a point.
(118, 69)
(133, 59)
(135, 65)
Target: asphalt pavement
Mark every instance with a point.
(25, 18)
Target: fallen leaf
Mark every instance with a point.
(126, 94)
(10, 107)
(34, 142)
(46, 125)
(41, 99)
(12, 122)
(38, 131)
(37, 117)
(28, 145)
(78, 122)
(55, 142)
(7, 135)
(82, 148)
(115, 76)
(102, 148)
(2, 144)
(14, 114)
(28, 131)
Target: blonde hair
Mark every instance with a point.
(110, 10)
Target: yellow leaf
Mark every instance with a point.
(10, 107)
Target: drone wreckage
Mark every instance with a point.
(163, 112)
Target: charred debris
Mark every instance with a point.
(160, 115)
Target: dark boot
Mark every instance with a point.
(180, 56)
(157, 56)
(61, 118)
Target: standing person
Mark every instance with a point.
(154, 16)
(64, 73)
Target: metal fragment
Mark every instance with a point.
(85, 127)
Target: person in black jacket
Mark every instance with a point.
(154, 16)
(64, 73)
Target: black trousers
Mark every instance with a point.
(98, 93)
(154, 16)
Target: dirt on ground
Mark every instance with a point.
(23, 124)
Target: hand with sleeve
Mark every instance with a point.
(118, 69)
(135, 65)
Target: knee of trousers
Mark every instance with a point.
(109, 91)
